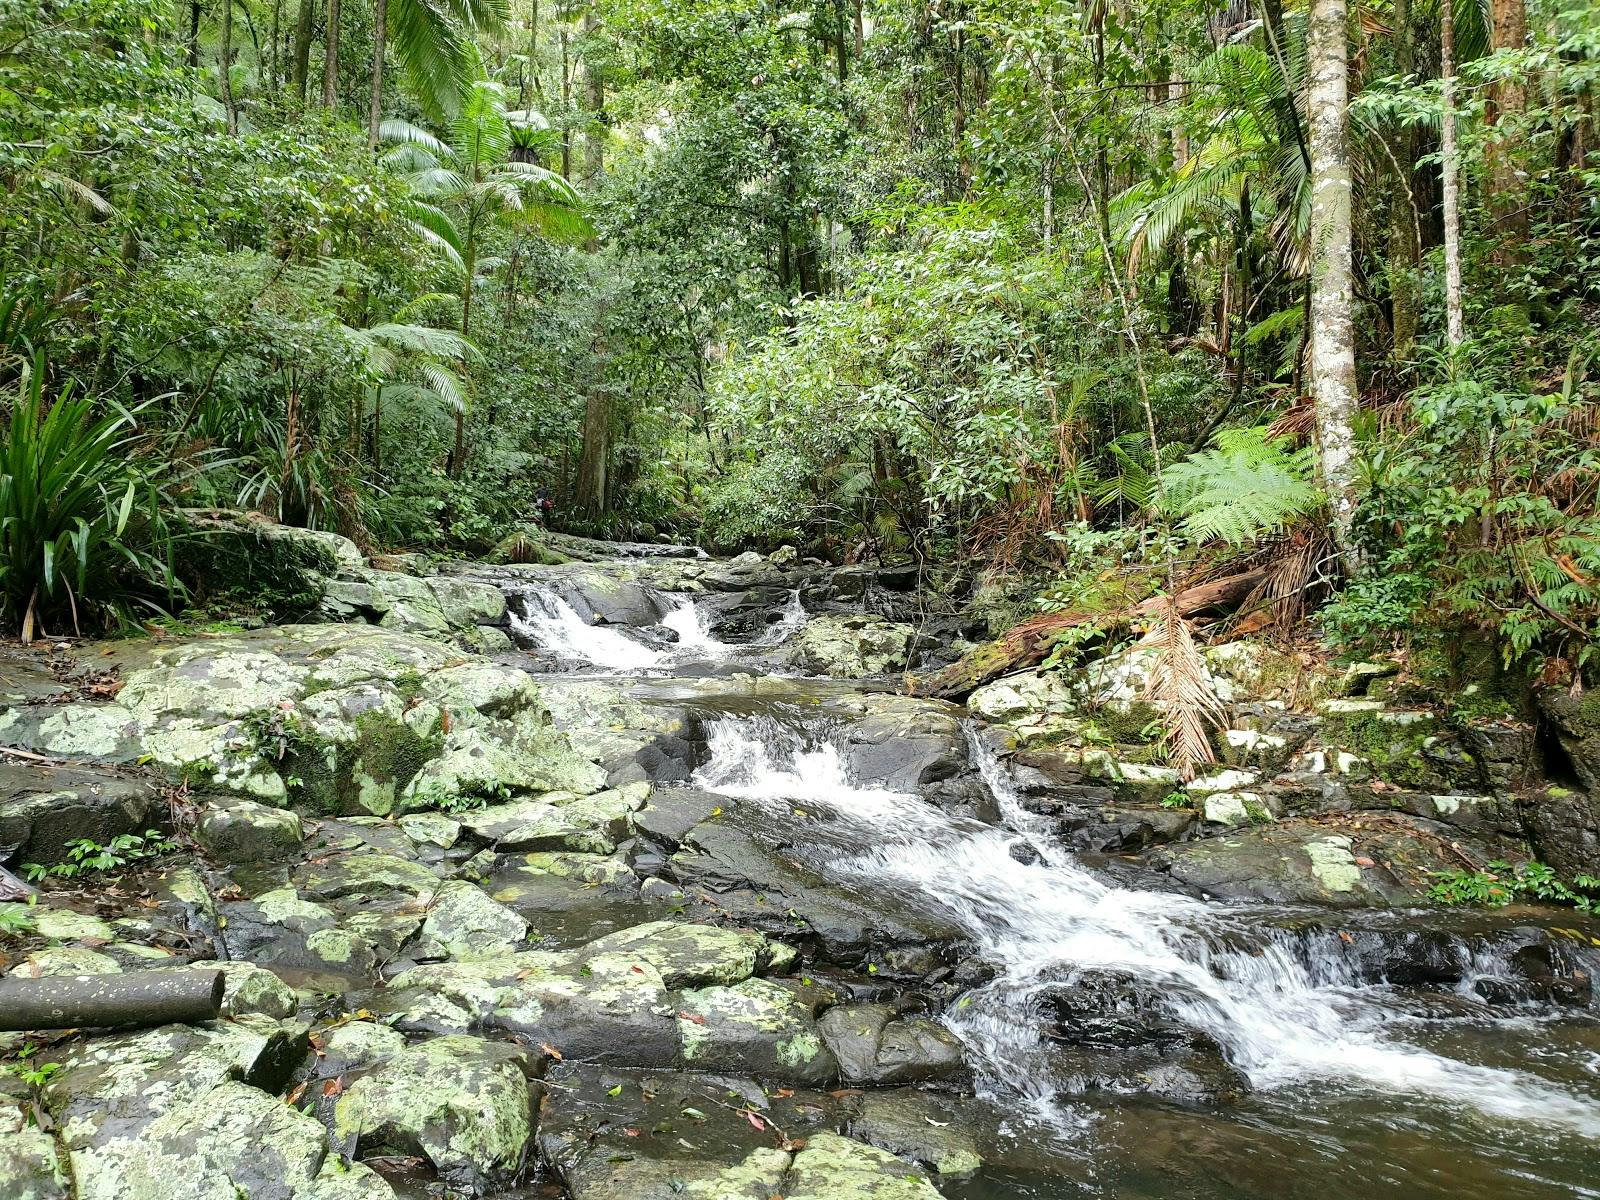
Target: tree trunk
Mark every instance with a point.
(302, 49)
(566, 106)
(1405, 248)
(330, 62)
(594, 102)
(194, 34)
(1507, 100)
(593, 460)
(225, 67)
(380, 36)
(1333, 355)
(1455, 319)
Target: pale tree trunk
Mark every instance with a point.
(594, 457)
(1333, 352)
(380, 35)
(330, 62)
(1455, 320)
(1507, 100)
(224, 67)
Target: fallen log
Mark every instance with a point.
(1029, 641)
(119, 1001)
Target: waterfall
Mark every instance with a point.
(542, 617)
(554, 625)
(1039, 918)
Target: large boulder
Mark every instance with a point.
(852, 646)
(464, 1104)
(329, 717)
(42, 807)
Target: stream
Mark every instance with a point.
(1318, 1078)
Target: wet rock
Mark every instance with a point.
(874, 1046)
(464, 923)
(1197, 1076)
(1563, 827)
(356, 1045)
(30, 1168)
(756, 885)
(42, 808)
(464, 1104)
(618, 1134)
(851, 646)
(243, 831)
(905, 744)
(836, 1168)
(1375, 862)
(918, 1126)
(757, 1027)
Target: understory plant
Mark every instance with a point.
(82, 527)
(86, 856)
(1500, 883)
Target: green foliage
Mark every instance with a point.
(82, 526)
(86, 856)
(1502, 883)
(17, 920)
(1249, 486)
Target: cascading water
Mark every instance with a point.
(1039, 918)
(540, 616)
(554, 625)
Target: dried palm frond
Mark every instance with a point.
(1180, 685)
(1297, 577)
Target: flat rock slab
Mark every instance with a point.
(614, 1134)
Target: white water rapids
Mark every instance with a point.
(1279, 1020)
(552, 624)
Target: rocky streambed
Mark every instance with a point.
(637, 878)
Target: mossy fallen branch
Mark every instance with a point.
(1030, 641)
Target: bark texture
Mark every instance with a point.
(1333, 351)
(1455, 319)
(128, 1000)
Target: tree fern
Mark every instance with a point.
(1249, 486)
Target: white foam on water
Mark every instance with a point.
(1038, 917)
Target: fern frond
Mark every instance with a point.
(1250, 485)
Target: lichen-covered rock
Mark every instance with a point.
(757, 1027)
(464, 1104)
(344, 875)
(836, 1168)
(30, 1168)
(851, 646)
(230, 1141)
(244, 831)
(248, 989)
(918, 1126)
(67, 960)
(186, 1111)
(464, 923)
(695, 955)
(334, 717)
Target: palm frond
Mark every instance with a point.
(1180, 684)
